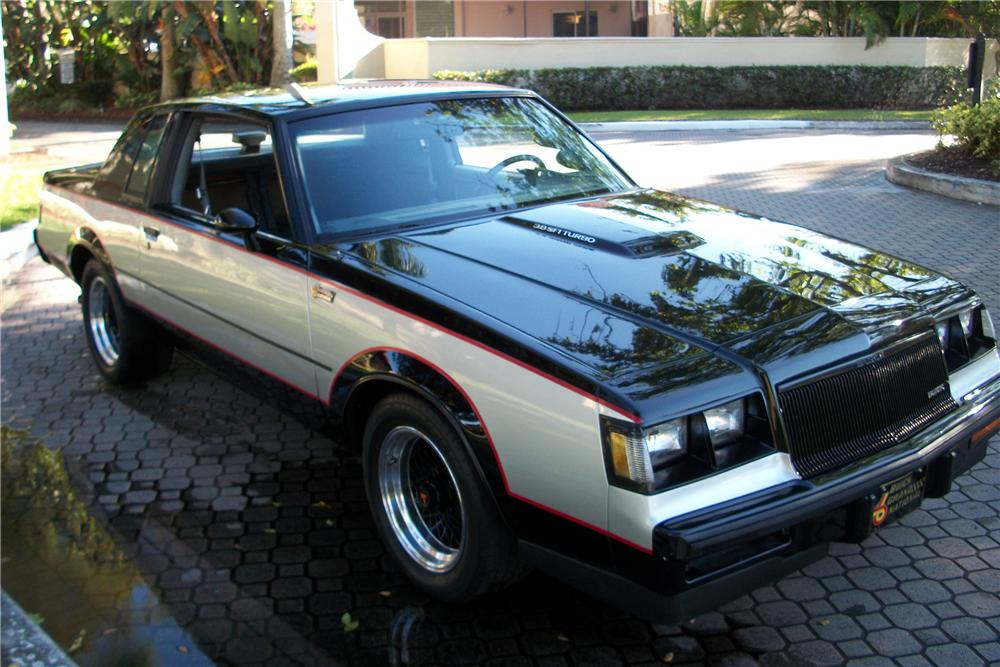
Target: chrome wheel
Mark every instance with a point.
(421, 499)
(103, 323)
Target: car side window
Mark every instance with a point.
(111, 178)
(145, 157)
(229, 163)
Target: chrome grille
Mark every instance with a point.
(847, 416)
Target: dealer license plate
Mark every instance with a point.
(897, 498)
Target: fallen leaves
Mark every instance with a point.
(350, 625)
(78, 642)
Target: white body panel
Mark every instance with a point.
(633, 516)
(244, 303)
(117, 228)
(974, 375)
(545, 435)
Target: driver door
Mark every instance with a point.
(242, 293)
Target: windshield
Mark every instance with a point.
(404, 165)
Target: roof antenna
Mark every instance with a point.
(299, 93)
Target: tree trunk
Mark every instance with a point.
(168, 83)
(281, 42)
(211, 22)
(41, 41)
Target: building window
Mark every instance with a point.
(573, 24)
(385, 18)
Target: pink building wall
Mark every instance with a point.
(533, 18)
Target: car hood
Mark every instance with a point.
(645, 287)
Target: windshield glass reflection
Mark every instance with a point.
(403, 165)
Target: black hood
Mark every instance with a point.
(647, 287)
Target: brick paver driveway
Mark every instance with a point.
(235, 530)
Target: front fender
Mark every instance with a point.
(371, 374)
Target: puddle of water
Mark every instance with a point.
(63, 567)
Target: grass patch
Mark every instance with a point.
(748, 114)
(19, 188)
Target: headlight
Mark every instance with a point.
(942, 333)
(725, 423)
(666, 441)
(635, 453)
(965, 318)
(965, 335)
(680, 450)
(987, 323)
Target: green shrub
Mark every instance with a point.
(304, 73)
(53, 97)
(764, 87)
(975, 128)
(71, 105)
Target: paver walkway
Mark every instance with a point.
(231, 528)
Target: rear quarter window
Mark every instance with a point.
(145, 158)
(130, 164)
(111, 178)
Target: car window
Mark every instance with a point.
(416, 163)
(114, 173)
(229, 163)
(146, 157)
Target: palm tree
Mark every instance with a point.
(281, 27)
(169, 89)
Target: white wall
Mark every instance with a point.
(344, 49)
(420, 58)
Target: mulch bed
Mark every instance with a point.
(954, 161)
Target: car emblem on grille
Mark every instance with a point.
(935, 391)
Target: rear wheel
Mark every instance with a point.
(431, 508)
(125, 345)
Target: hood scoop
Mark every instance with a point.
(607, 235)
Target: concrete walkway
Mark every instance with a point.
(64, 142)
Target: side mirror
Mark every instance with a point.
(234, 220)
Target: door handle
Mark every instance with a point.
(152, 233)
(323, 294)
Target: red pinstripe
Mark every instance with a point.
(326, 400)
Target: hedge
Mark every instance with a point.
(763, 87)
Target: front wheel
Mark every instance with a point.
(431, 509)
(126, 347)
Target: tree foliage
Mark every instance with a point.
(122, 49)
(872, 19)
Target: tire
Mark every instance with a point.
(431, 508)
(125, 345)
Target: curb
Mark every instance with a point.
(25, 642)
(898, 171)
(17, 246)
(692, 125)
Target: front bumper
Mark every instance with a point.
(705, 558)
(944, 450)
